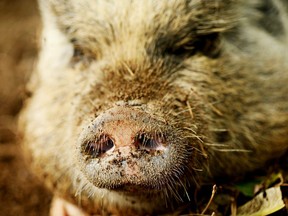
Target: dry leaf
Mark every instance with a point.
(264, 203)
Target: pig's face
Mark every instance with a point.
(140, 70)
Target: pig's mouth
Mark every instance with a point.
(131, 189)
(127, 150)
(130, 170)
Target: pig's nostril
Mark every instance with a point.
(99, 146)
(147, 142)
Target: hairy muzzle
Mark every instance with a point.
(125, 147)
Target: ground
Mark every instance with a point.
(20, 193)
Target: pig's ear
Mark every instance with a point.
(56, 49)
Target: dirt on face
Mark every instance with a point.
(20, 192)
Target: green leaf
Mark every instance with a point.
(247, 187)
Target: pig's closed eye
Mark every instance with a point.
(78, 54)
(208, 45)
(182, 50)
(81, 55)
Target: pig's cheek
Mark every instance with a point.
(61, 207)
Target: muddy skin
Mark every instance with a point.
(134, 101)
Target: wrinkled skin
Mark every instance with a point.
(134, 101)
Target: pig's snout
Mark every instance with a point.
(120, 128)
(127, 147)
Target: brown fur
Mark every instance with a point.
(210, 71)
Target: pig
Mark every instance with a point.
(136, 104)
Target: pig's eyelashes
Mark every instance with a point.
(208, 45)
(77, 54)
(184, 50)
(80, 54)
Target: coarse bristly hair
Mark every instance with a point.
(209, 76)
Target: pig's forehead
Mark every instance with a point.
(149, 17)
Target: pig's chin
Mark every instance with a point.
(132, 189)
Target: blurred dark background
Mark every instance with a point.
(20, 192)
